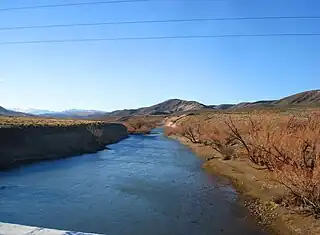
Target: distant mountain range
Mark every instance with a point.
(7, 112)
(307, 98)
(74, 113)
(32, 111)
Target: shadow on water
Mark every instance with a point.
(142, 185)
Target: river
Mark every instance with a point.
(142, 185)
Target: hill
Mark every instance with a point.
(163, 108)
(303, 98)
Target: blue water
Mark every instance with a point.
(143, 185)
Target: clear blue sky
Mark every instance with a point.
(129, 74)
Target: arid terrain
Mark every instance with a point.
(273, 157)
(270, 150)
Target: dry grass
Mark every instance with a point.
(137, 124)
(35, 121)
(285, 144)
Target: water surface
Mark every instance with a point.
(143, 185)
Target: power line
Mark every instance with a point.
(159, 38)
(92, 3)
(157, 21)
(70, 5)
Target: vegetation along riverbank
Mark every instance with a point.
(272, 157)
(136, 125)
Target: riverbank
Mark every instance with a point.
(258, 192)
(24, 142)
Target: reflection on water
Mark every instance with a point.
(143, 185)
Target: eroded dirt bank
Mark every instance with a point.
(32, 143)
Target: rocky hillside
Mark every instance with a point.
(166, 107)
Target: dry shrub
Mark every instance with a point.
(141, 125)
(207, 133)
(190, 130)
(217, 136)
(287, 146)
(290, 148)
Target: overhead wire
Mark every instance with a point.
(35, 7)
(69, 5)
(158, 38)
(156, 21)
(77, 40)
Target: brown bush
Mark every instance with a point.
(290, 148)
(287, 146)
(142, 125)
(190, 130)
(217, 136)
(207, 133)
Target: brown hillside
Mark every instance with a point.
(166, 107)
(303, 98)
